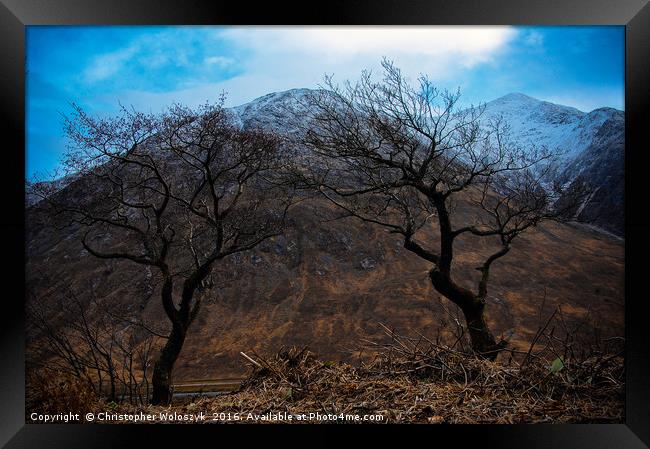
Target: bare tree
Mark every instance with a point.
(399, 156)
(178, 191)
(91, 342)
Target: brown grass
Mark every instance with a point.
(419, 381)
(53, 392)
(438, 385)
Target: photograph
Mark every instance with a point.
(230, 224)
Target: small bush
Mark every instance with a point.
(50, 392)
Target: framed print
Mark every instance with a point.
(419, 217)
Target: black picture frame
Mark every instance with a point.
(633, 14)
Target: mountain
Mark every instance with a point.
(328, 284)
(593, 147)
(276, 111)
(592, 144)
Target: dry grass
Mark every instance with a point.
(412, 380)
(439, 385)
(57, 392)
(408, 382)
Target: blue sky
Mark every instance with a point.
(150, 67)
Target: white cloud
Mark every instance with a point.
(170, 47)
(281, 58)
(106, 65)
(219, 61)
(336, 41)
(438, 50)
(275, 58)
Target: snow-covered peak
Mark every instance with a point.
(274, 97)
(518, 103)
(287, 98)
(602, 114)
(538, 123)
(516, 97)
(277, 111)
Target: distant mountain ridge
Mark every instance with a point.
(593, 143)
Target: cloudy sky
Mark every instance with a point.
(151, 67)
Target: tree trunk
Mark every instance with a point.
(162, 371)
(482, 340)
(113, 393)
(473, 307)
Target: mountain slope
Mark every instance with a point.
(592, 144)
(329, 284)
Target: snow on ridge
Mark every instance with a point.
(276, 111)
(533, 122)
(269, 100)
(540, 123)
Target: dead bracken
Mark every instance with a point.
(420, 381)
